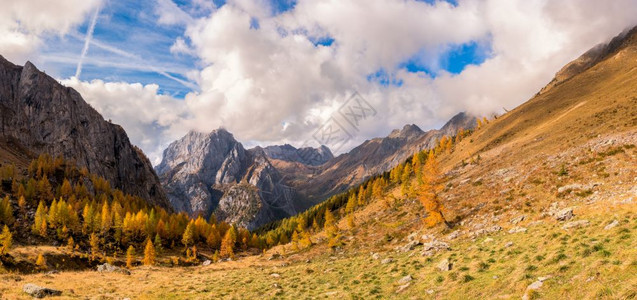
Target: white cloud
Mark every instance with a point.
(272, 84)
(170, 14)
(23, 22)
(150, 119)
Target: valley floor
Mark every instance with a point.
(584, 263)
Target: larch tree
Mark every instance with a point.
(331, 230)
(6, 240)
(94, 242)
(149, 254)
(188, 238)
(227, 244)
(159, 248)
(130, 257)
(429, 192)
(40, 262)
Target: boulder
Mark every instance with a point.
(611, 225)
(576, 224)
(108, 268)
(39, 292)
(207, 262)
(564, 214)
(517, 230)
(518, 219)
(403, 287)
(387, 261)
(405, 279)
(444, 265)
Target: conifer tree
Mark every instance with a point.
(159, 248)
(188, 238)
(149, 254)
(227, 244)
(331, 230)
(40, 262)
(295, 241)
(351, 204)
(130, 257)
(6, 211)
(22, 204)
(430, 192)
(94, 242)
(71, 245)
(6, 240)
(350, 221)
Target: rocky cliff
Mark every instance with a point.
(206, 173)
(43, 116)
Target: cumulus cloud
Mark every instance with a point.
(272, 77)
(150, 119)
(22, 23)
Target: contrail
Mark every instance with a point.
(87, 42)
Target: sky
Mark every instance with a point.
(285, 71)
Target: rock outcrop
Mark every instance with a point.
(44, 116)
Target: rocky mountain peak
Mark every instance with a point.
(408, 131)
(457, 122)
(206, 173)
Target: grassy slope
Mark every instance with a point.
(585, 126)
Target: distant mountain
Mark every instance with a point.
(206, 173)
(212, 173)
(39, 115)
(371, 157)
(307, 155)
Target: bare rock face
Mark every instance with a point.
(206, 173)
(45, 117)
(306, 155)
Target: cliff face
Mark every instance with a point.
(212, 173)
(45, 117)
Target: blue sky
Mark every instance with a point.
(131, 27)
(273, 71)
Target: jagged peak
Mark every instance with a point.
(407, 131)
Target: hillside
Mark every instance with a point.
(38, 115)
(541, 203)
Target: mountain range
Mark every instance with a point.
(212, 173)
